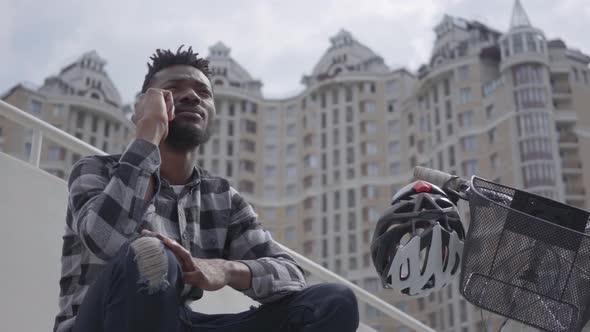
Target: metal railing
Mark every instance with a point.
(43, 129)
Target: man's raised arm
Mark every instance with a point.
(107, 209)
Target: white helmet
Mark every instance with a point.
(418, 242)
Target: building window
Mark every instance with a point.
(575, 71)
(350, 155)
(448, 110)
(531, 44)
(291, 130)
(352, 263)
(506, 48)
(394, 168)
(270, 191)
(530, 98)
(368, 107)
(290, 234)
(394, 148)
(494, 161)
(291, 171)
(469, 143)
(489, 111)
(528, 74)
(348, 93)
(466, 119)
(370, 148)
(391, 106)
(230, 130)
(465, 95)
(410, 119)
(517, 44)
(248, 126)
(463, 73)
(435, 94)
(247, 145)
(469, 168)
(230, 148)
(80, 120)
(351, 220)
(247, 166)
(308, 248)
(436, 116)
(451, 156)
(35, 107)
(449, 129)
(393, 127)
(492, 135)
(229, 169)
(247, 186)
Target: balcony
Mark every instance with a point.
(567, 138)
(571, 164)
(32, 204)
(574, 190)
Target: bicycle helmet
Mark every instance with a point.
(417, 246)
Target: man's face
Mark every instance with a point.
(193, 104)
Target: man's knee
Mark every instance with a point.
(340, 298)
(340, 295)
(155, 263)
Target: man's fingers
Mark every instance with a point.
(183, 255)
(169, 100)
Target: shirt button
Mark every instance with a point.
(185, 235)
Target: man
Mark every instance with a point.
(148, 230)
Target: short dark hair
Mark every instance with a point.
(162, 59)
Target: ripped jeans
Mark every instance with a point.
(140, 290)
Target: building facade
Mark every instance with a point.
(319, 167)
(81, 100)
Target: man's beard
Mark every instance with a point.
(184, 136)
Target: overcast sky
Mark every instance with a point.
(276, 41)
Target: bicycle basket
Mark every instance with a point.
(527, 258)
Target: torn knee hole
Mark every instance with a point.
(152, 263)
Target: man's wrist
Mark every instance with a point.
(238, 275)
(150, 132)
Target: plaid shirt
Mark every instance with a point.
(106, 209)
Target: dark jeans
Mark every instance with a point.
(120, 301)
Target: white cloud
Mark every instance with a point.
(276, 41)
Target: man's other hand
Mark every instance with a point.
(206, 274)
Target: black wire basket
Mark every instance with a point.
(527, 258)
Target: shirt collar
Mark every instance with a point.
(193, 180)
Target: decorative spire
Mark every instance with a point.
(219, 50)
(343, 38)
(519, 16)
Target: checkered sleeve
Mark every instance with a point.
(108, 206)
(275, 273)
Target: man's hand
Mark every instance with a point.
(207, 274)
(153, 111)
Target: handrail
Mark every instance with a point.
(42, 128)
(363, 295)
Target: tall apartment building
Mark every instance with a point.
(319, 167)
(81, 100)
